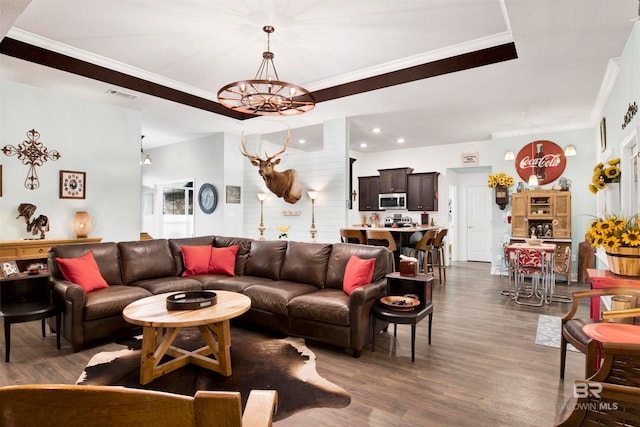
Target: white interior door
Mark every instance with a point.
(479, 223)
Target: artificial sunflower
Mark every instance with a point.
(614, 231)
(605, 174)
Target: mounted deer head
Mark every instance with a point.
(283, 184)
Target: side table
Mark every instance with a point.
(25, 298)
(420, 285)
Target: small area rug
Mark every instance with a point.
(549, 330)
(258, 361)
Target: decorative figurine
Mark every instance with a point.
(37, 225)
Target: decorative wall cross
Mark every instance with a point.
(33, 153)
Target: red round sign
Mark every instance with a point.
(545, 159)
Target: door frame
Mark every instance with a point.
(458, 177)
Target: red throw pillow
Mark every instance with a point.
(196, 259)
(359, 272)
(83, 271)
(223, 260)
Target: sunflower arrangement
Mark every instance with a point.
(614, 232)
(604, 174)
(500, 179)
(283, 231)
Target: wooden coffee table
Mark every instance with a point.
(161, 327)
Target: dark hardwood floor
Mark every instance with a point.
(482, 369)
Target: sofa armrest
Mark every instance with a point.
(360, 304)
(70, 298)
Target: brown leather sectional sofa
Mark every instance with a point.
(295, 288)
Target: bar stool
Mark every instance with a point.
(437, 248)
(424, 246)
(352, 236)
(383, 238)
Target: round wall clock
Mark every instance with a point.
(207, 198)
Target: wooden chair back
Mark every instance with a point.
(61, 405)
(352, 236)
(426, 242)
(438, 240)
(379, 237)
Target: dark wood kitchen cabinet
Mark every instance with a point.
(368, 193)
(393, 180)
(422, 191)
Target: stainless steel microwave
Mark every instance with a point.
(392, 201)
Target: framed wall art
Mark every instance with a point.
(9, 268)
(603, 134)
(233, 194)
(207, 198)
(73, 185)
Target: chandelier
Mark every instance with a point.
(265, 95)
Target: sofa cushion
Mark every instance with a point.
(306, 263)
(82, 271)
(265, 259)
(176, 253)
(274, 297)
(358, 272)
(244, 245)
(111, 301)
(232, 284)
(325, 305)
(161, 285)
(145, 259)
(196, 259)
(340, 255)
(223, 260)
(105, 254)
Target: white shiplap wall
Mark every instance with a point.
(325, 171)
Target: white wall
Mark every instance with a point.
(99, 139)
(325, 171)
(200, 160)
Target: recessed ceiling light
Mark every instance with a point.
(376, 130)
(400, 140)
(301, 141)
(363, 144)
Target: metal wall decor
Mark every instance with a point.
(33, 153)
(631, 111)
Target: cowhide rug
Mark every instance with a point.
(258, 362)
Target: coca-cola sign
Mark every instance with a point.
(545, 159)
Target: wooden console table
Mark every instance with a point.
(606, 279)
(18, 250)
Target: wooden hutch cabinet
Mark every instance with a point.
(368, 193)
(393, 180)
(547, 208)
(422, 191)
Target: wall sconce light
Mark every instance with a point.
(508, 155)
(313, 195)
(81, 224)
(261, 228)
(570, 151)
(533, 180)
(147, 159)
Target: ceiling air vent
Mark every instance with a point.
(121, 94)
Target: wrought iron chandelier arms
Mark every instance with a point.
(266, 94)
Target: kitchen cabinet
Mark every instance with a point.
(422, 191)
(549, 210)
(368, 193)
(393, 180)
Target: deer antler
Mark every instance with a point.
(283, 148)
(244, 152)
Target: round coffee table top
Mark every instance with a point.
(152, 311)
